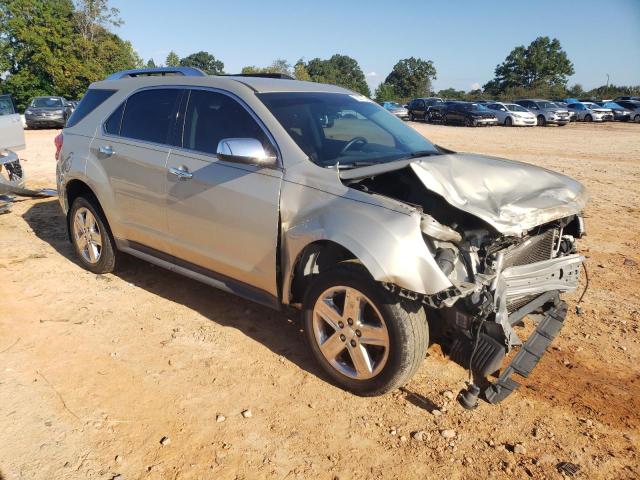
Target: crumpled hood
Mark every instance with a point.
(510, 196)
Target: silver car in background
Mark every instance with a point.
(397, 109)
(546, 112)
(364, 230)
(591, 112)
(512, 114)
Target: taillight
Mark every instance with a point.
(58, 143)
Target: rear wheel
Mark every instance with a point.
(91, 239)
(588, 118)
(508, 122)
(468, 122)
(542, 121)
(443, 118)
(636, 118)
(368, 341)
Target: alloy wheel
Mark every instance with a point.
(87, 235)
(350, 332)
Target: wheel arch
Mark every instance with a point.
(78, 188)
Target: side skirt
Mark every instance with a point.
(198, 273)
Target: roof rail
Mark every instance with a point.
(283, 76)
(141, 72)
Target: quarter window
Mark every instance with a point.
(91, 100)
(112, 125)
(212, 116)
(149, 115)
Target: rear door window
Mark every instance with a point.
(91, 100)
(150, 115)
(212, 116)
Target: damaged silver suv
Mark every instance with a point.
(310, 198)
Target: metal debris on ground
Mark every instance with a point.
(12, 181)
(568, 468)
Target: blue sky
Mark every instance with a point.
(465, 39)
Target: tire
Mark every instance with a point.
(542, 121)
(636, 118)
(468, 122)
(443, 118)
(508, 122)
(404, 324)
(427, 117)
(588, 118)
(96, 259)
(412, 117)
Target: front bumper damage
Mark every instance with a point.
(535, 288)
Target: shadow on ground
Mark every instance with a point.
(269, 327)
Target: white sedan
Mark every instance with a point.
(511, 114)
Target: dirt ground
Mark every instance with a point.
(96, 370)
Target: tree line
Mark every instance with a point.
(58, 47)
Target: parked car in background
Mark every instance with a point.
(365, 230)
(633, 106)
(546, 111)
(11, 138)
(591, 112)
(47, 112)
(620, 113)
(397, 109)
(510, 114)
(468, 114)
(419, 108)
(634, 98)
(565, 105)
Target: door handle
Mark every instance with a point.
(182, 173)
(106, 150)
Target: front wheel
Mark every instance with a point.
(542, 121)
(508, 122)
(588, 118)
(412, 117)
(636, 118)
(365, 339)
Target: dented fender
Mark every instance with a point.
(383, 234)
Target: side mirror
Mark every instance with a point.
(244, 150)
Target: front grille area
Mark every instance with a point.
(534, 249)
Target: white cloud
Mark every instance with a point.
(475, 86)
(372, 74)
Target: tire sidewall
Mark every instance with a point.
(355, 276)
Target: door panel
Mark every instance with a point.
(137, 175)
(225, 217)
(11, 130)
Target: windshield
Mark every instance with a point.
(473, 106)
(46, 102)
(516, 108)
(347, 129)
(6, 105)
(547, 105)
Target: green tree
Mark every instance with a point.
(412, 77)
(278, 66)
(300, 71)
(541, 64)
(452, 94)
(339, 70)
(151, 63)
(385, 92)
(173, 60)
(205, 62)
(576, 91)
(94, 15)
(44, 50)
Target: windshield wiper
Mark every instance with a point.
(356, 164)
(420, 153)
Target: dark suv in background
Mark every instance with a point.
(419, 108)
(465, 113)
(48, 112)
